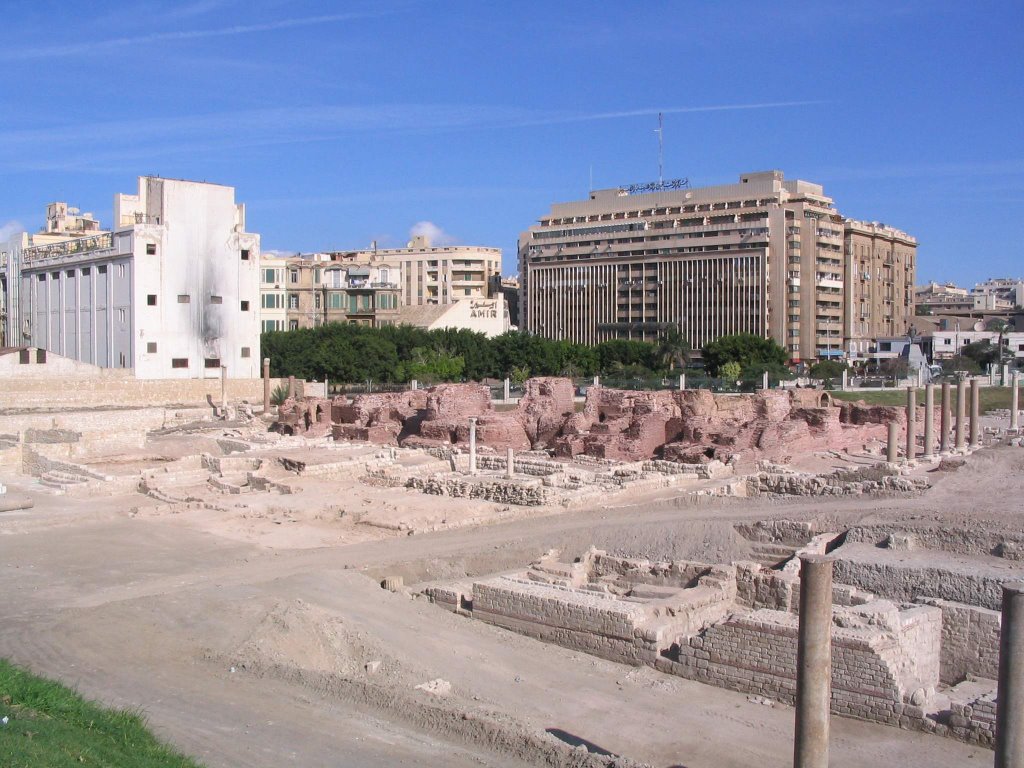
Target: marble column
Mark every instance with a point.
(944, 418)
(929, 421)
(1010, 694)
(961, 414)
(814, 663)
(266, 385)
(510, 464)
(911, 423)
(472, 445)
(892, 449)
(975, 413)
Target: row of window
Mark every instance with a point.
(184, 298)
(348, 302)
(209, 362)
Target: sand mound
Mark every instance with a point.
(308, 638)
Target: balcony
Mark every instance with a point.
(79, 245)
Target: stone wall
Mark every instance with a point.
(54, 393)
(970, 641)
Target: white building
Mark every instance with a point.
(487, 316)
(171, 292)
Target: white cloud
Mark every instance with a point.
(276, 254)
(432, 232)
(8, 229)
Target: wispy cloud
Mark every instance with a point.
(98, 146)
(93, 46)
(434, 234)
(8, 229)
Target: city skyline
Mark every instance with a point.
(382, 125)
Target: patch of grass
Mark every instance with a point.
(992, 398)
(51, 725)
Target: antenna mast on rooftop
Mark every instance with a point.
(660, 130)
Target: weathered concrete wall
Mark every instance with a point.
(98, 392)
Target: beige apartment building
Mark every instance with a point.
(307, 291)
(433, 274)
(765, 256)
(880, 268)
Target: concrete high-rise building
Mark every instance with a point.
(433, 274)
(880, 267)
(763, 256)
(170, 291)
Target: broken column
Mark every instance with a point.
(1015, 401)
(682, 381)
(266, 385)
(223, 390)
(472, 445)
(764, 380)
(510, 466)
(892, 449)
(961, 413)
(911, 423)
(1004, 380)
(975, 413)
(1010, 694)
(929, 421)
(846, 379)
(508, 390)
(814, 663)
(291, 386)
(944, 418)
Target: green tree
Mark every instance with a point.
(827, 369)
(745, 349)
(673, 348)
(983, 352)
(730, 371)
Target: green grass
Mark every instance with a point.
(51, 726)
(992, 398)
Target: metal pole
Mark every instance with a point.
(1010, 694)
(814, 663)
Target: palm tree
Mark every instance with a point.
(1000, 326)
(674, 348)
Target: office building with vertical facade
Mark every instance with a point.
(764, 256)
(170, 291)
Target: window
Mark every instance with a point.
(179, 362)
(293, 276)
(467, 291)
(151, 249)
(121, 360)
(121, 315)
(151, 347)
(293, 325)
(24, 357)
(120, 270)
(272, 301)
(317, 275)
(268, 276)
(102, 269)
(316, 301)
(211, 362)
(245, 306)
(40, 355)
(293, 301)
(245, 254)
(245, 352)
(184, 298)
(336, 301)
(216, 299)
(151, 299)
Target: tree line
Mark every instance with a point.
(346, 353)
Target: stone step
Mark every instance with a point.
(769, 554)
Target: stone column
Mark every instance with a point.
(814, 663)
(1005, 379)
(472, 445)
(892, 449)
(414, 385)
(764, 380)
(508, 390)
(223, 389)
(846, 379)
(944, 418)
(929, 421)
(1015, 401)
(597, 381)
(911, 423)
(510, 465)
(682, 381)
(1010, 695)
(266, 385)
(291, 386)
(975, 413)
(961, 413)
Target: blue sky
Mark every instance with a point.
(341, 123)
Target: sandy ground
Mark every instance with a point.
(246, 639)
